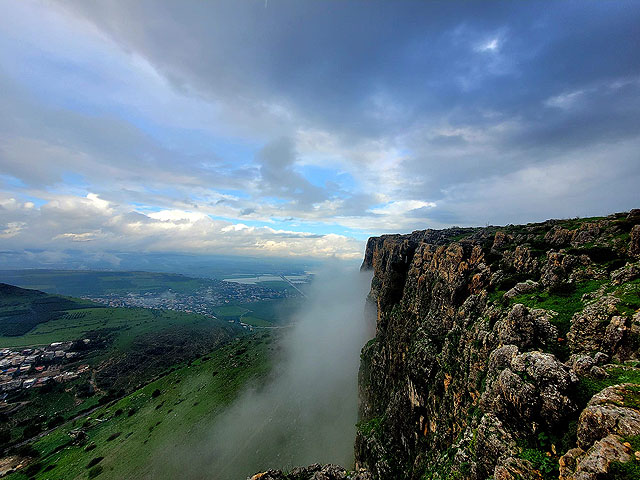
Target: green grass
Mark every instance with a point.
(564, 304)
(261, 313)
(629, 295)
(21, 310)
(575, 223)
(177, 418)
(546, 465)
(588, 386)
(277, 285)
(230, 311)
(127, 323)
(372, 426)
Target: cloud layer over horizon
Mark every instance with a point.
(301, 128)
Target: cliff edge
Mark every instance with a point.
(504, 352)
(501, 353)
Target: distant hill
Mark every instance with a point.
(85, 282)
(22, 309)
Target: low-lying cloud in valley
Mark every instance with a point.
(308, 411)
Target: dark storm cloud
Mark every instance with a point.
(328, 59)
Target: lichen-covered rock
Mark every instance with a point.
(634, 246)
(588, 326)
(558, 236)
(534, 390)
(615, 410)
(496, 443)
(521, 288)
(525, 328)
(587, 233)
(521, 260)
(313, 472)
(518, 328)
(581, 363)
(516, 469)
(629, 272)
(554, 273)
(595, 463)
(500, 241)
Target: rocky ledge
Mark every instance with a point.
(504, 352)
(313, 472)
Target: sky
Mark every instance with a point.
(301, 128)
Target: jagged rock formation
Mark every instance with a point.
(504, 353)
(313, 472)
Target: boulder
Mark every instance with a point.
(526, 329)
(522, 288)
(634, 246)
(535, 389)
(629, 272)
(587, 233)
(615, 410)
(558, 236)
(594, 464)
(588, 327)
(312, 472)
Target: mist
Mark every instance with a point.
(307, 411)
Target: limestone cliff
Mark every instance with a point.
(504, 352)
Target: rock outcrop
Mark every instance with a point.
(312, 472)
(503, 352)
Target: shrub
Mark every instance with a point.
(55, 421)
(95, 471)
(32, 469)
(94, 461)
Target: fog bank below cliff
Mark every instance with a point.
(307, 412)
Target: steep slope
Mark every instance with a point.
(504, 352)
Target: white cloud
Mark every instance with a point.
(77, 237)
(491, 45)
(94, 224)
(566, 100)
(402, 207)
(11, 229)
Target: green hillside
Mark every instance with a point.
(131, 437)
(21, 310)
(79, 282)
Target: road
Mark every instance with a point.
(291, 283)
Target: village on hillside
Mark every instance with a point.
(35, 367)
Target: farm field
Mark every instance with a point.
(265, 313)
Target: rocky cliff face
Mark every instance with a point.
(504, 353)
